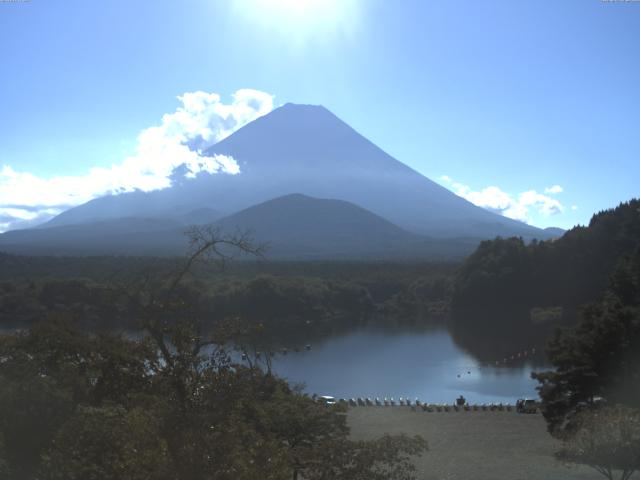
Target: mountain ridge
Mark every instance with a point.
(294, 226)
(308, 150)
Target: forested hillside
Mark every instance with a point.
(300, 299)
(599, 358)
(509, 296)
(505, 273)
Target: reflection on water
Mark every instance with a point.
(427, 364)
(495, 335)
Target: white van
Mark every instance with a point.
(327, 400)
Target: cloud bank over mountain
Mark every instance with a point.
(201, 120)
(518, 207)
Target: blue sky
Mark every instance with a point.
(529, 107)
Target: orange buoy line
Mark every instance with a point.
(519, 355)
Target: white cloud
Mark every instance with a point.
(545, 205)
(518, 207)
(490, 197)
(553, 189)
(201, 120)
(23, 217)
(574, 207)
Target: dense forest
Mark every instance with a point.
(171, 402)
(598, 360)
(506, 274)
(289, 299)
(591, 398)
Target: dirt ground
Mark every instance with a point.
(472, 445)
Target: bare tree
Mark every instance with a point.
(208, 243)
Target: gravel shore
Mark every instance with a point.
(472, 445)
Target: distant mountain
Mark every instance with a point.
(199, 216)
(118, 236)
(307, 149)
(293, 227)
(298, 226)
(298, 216)
(555, 232)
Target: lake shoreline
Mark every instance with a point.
(410, 363)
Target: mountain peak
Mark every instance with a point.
(300, 115)
(297, 136)
(307, 149)
(302, 106)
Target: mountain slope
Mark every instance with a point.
(119, 236)
(298, 226)
(299, 216)
(307, 149)
(293, 227)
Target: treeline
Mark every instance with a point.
(283, 304)
(510, 296)
(597, 361)
(387, 274)
(282, 301)
(316, 296)
(572, 270)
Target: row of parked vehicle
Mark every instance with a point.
(369, 402)
(523, 405)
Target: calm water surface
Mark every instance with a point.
(426, 364)
(401, 362)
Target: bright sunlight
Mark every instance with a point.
(300, 18)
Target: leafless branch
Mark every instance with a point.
(208, 242)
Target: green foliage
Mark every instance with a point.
(569, 271)
(47, 372)
(107, 442)
(600, 357)
(285, 303)
(172, 405)
(281, 301)
(607, 440)
(5, 473)
(380, 278)
(505, 275)
(425, 297)
(625, 279)
(39, 387)
(495, 271)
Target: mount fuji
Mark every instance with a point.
(295, 149)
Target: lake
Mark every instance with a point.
(406, 362)
(427, 364)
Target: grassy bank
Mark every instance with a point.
(472, 445)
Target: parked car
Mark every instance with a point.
(327, 400)
(526, 405)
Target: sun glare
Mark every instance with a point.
(300, 18)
